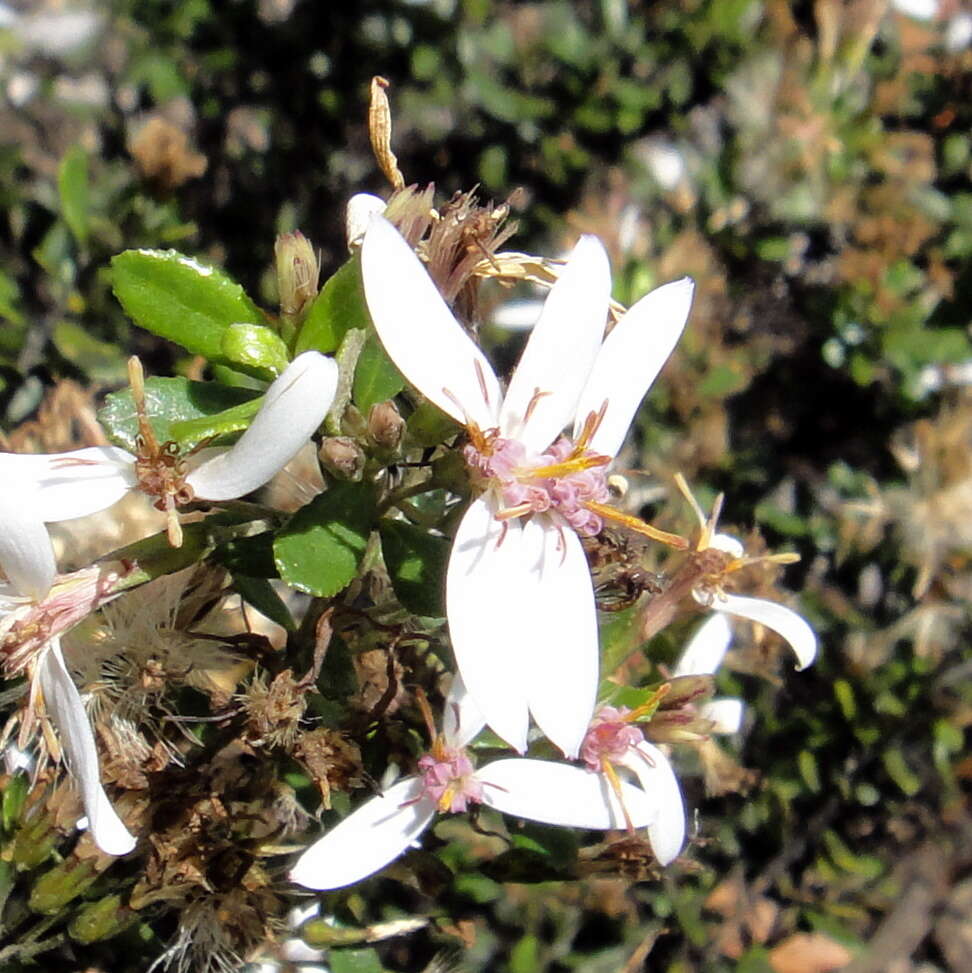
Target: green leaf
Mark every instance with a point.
(428, 425)
(179, 298)
(320, 548)
(260, 594)
(376, 378)
(339, 307)
(152, 557)
(525, 955)
(255, 348)
(72, 187)
(234, 419)
(170, 402)
(250, 556)
(101, 361)
(416, 562)
(354, 961)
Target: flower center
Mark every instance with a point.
(609, 737)
(449, 779)
(564, 479)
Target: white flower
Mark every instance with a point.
(25, 555)
(518, 596)
(63, 486)
(792, 627)
(384, 827)
(613, 740)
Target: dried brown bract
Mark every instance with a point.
(163, 157)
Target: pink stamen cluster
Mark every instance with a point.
(450, 780)
(522, 488)
(609, 737)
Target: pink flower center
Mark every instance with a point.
(560, 480)
(609, 737)
(449, 779)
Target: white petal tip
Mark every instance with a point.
(362, 207)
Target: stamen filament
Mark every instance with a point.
(576, 464)
(612, 775)
(637, 525)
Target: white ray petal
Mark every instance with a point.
(667, 831)
(560, 670)
(779, 618)
(561, 350)
(728, 543)
(553, 793)
(487, 584)
(26, 555)
(66, 711)
(726, 714)
(461, 721)
(707, 647)
(368, 839)
(419, 332)
(294, 406)
(630, 359)
(76, 483)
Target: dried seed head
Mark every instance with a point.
(333, 762)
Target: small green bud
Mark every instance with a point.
(62, 884)
(256, 348)
(14, 797)
(33, 842)
(100, 920)
(297, 273)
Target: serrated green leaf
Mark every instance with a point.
(171, 403)
(321, 546)
(339, 307)
(72, 187)
(416, 562)
(255, 348)
(260, 594)
(375, 378)
(182, 299)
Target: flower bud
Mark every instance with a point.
(677, 726)
(99, 920)
(62, 884)
(297, 273)
(386, 425)
(342, 457)
(360, 209)
(34, 842)
(687, 689)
